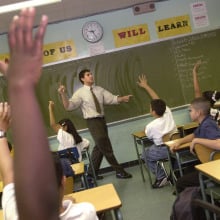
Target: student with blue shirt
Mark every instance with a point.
(207, 134)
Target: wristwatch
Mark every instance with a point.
(2, 134)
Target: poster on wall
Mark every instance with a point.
(173, 26)
(199, 14)
(131, 35)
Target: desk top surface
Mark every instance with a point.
(210, 169)
(182, 146)
(190, 125)
(139, 134)
(102, 197)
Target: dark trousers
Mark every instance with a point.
(103, 147)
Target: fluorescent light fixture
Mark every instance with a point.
(25, 4)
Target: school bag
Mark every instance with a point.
(182, 207)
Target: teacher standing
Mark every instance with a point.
(91, 99)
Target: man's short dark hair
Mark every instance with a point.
(201, 104)
(159, 106)
(82, 74)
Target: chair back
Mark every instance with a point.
(206, 154)
(171, 136)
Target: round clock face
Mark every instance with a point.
(92, 31)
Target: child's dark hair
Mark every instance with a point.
(159, 106)
(71, 129)
(212, 96)
(82, 74)
(202, 104)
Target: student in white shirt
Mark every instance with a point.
(67, 135)
(155, 130)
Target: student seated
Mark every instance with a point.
(155, 130)
(207, 134)
(212, 96)
(70, 142)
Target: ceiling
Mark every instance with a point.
(71, 9)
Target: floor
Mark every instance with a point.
(139, 200)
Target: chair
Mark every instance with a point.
(206, 154)
(207, 206)
(79, 170)
(167, 137)
(86, 156)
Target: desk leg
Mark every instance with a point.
(171, 169)
(202, 186)
(92, 167)
(139, 159)
(145, 165)
(179, 163)
(118, 214)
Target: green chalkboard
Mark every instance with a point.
(167, 65)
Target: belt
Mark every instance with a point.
(161, 145)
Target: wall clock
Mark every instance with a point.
(92, 31)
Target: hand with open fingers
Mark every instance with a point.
(26, 48)
(5, 116)
(62, 89)
(142, 81)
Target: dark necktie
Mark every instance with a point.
(97, 105)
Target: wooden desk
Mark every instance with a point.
(210, 170)
(183, 149)
(78, 169)
(141, 139)
(189, 127)
(103, 198)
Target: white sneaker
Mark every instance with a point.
(160, 183)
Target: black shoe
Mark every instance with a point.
(123, 175)
(160, 183)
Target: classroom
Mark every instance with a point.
(162, 39)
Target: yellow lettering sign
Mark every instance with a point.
(131, 35)
(173, 26)
(58, 51)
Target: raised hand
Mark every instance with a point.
(142, 81)
(26, 48)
